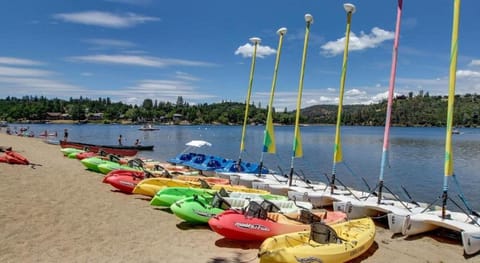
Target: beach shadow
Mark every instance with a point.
(440, 235)
(144, 198)
(189, 226)
(238, 258)
(470, 256)
(373, 248)
(164, 209)
(118, 191)
(397, 236)
(224, 242)
(445, 236)
(381, 222)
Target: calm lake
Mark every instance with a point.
(416, 156)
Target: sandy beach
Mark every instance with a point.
(56, 211)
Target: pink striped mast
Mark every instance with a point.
(386, 136)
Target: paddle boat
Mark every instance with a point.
(188, 153)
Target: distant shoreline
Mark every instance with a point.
(72, 122)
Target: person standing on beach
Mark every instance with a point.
(65, 135)
(120, 140)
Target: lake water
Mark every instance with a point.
(416, 154)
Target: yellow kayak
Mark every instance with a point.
(336, 243)
(151, 186)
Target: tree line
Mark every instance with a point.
(419, 110)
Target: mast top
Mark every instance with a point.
(282, 31)
(309, 18)
(349, 8)
(255, 40)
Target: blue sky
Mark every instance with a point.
(129, 50)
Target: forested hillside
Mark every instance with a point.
(420, 110)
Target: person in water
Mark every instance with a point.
(137, 142)
(65, 135)
(120, 139)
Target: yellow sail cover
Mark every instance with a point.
(451, 91)
(269, 139)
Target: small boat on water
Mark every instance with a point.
(122, 150)
(456, 131)
(48, 134)
(148, 127)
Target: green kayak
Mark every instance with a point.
(169, 195)
(68, 151)
(198, 209)
(109, 166)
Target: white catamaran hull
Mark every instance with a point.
(460, 222)
(395, 210)
(247, 179)
(323, 197)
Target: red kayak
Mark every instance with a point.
(255, 223)
(83, 155)
(124, 180)
(12, 157)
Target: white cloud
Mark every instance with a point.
(247, 50)
(104, 19)
(19, 72)
(468, 74)
(19, 61)
(185, 76)
(21, 86)
(364, 41)
(110, 43)
(354, 93)
(311, 97)
(164, 90)
(475, 62)
(20, 80)
(381, 96)
(137, 60)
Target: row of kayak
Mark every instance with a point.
(290, 231)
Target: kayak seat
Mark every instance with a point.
(220, 202)
(255, 210)
(268, 206)
(308, 217)
(323, 234)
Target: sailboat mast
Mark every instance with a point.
(256, 42)
(391, 89)
(297, 141)
(269, 137)
(337, 151)
(448, 169)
